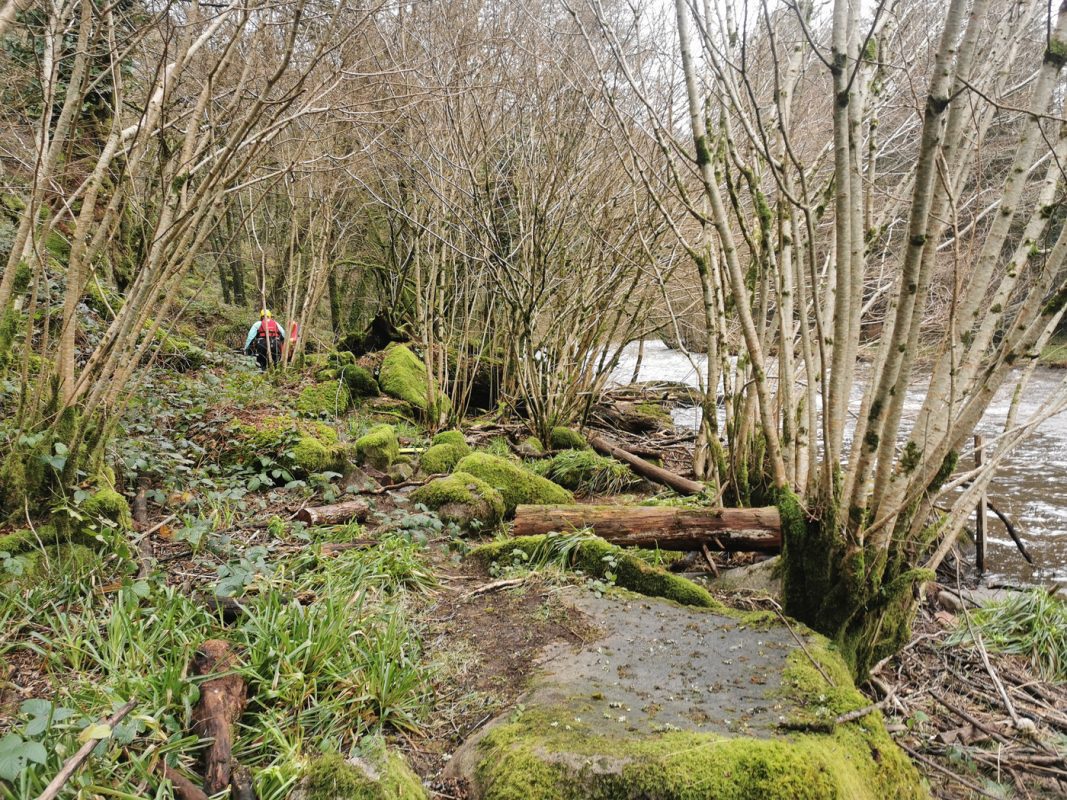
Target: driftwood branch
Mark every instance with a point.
(222, 701)
(337, 514)
(645, 469)
(73, 764)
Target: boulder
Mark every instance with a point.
(462, 499)
(515, 483)
(379, 447)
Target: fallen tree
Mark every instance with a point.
(727, 529)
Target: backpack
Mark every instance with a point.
(268, 329)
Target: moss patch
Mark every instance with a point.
(567, 439)
(549, 754)
(378, 448)
(326, 398)
(596, 557)
(442, 457)
(403, 376)
(302, 446)
(463, 499)
(516, 484)
(585, 472)
(107, 504)
(450, 437)
(376, 774)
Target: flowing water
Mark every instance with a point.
(1030, 487)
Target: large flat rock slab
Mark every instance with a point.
(679, 702)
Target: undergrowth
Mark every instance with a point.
(1031, 624)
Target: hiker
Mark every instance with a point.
(265, 338)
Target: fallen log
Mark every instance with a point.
(724, 529)
(222, 701)
(184, 789)
(645, 469)
(337, 514)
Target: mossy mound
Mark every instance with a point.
(379, 447)
(403, 376)
(516, 484)
(442, 457)
(322, 399)
(301, 446)
(376, 774)
(65, 563)
(450, 437)
(462, 499)
(655, 708)
(360, 382)
(178, 353)
(597, 558)
(584, 472)
(531, 447)
(567, 439)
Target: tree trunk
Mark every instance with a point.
(335, 514)
(646, 470)
(732, 529)
(222, 701)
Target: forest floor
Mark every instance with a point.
(443, 645)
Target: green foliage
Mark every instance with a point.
(378, 447)
(359, 381)
(324, 399)
(442, 457)
(567, 439)
(585, 473)
(1031, 624)
(516, 484)
(462, 499)
(594, 557)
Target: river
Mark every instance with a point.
(1030, 487)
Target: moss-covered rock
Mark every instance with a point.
(463, 499)
(375, 774)
(516, 484)
(596, 557)
(322, 399)
(403, 376)
(450, 437)
(567, 439)
(531, 447)
(178, 353)
(300, 446)
(359, 381)
(379, 447)
(442, 457)
(588, 730)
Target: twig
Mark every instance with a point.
(160, 524)
(818, 666)
(709, 559)
(495, 586)
(968, 718)
(410, 482)
(862, 712)
(931, 763)
(73, 763)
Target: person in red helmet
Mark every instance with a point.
(264, 340)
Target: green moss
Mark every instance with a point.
(532, 445)
(378, 447)
(68, 563)
(110, 505)
(450, 437)
(549, 754)
(655, 412)
(360, 382)
(324, 398)
(516, 484)
(178, 353)
(310, 455)
(567, 439)
(442, 457)
(377, 774)
(403, 376)
(462, 498)
(302, 446)
(595, 557)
